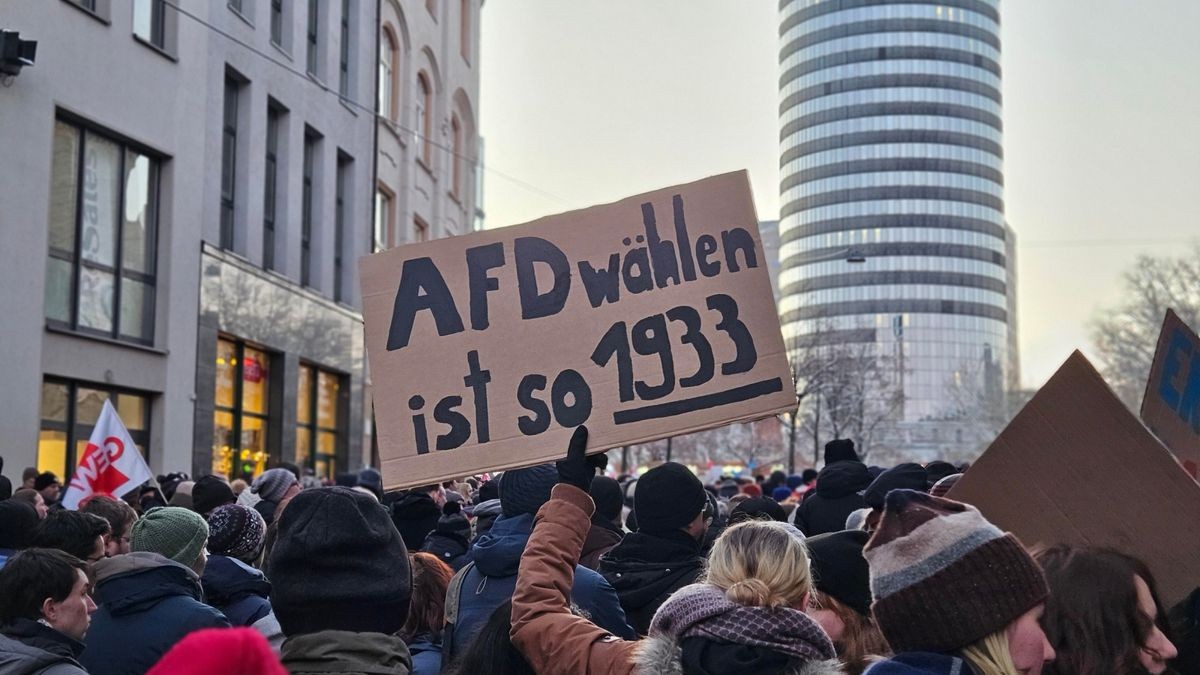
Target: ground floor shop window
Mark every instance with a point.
(319, 436)
(241, 410)
(70, 410)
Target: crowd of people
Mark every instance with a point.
(561, 568)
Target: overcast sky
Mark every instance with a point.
(588, 101)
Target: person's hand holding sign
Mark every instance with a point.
(578, 469)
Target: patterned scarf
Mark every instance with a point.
(702, 610)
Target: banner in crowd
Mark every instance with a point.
(644, 318)
(1075, 466)
(1171, 404)
(111, 464)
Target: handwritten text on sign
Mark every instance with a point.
(606, 316)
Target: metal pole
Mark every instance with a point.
(817, 432)
(625, 459)
(669, 447)
(792, 442)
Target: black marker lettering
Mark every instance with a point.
(531, 250)
(480, 259)
(422, 288)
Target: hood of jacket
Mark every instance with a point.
(335, 651)
(134, 582)
(498, 552)
(228, 579)
(643, 566)
(662, 655)
(18, 658)
(842, 478)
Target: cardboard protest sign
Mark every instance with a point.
(645, 318)
(1171, 404)
(1076, 467)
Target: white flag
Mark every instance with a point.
(111, 464)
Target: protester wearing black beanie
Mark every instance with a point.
(757, 508)
(339, 564)
(839, 569)
(907, 476)
(606, 493)
(840, 450)
(669, 497)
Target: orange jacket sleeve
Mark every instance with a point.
(554, 640)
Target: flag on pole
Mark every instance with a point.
(111, 464)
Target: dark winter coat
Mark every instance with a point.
(147, 604)
(242, 594)
(601, 539)
(29, 648)
(415, 515)
(450, 547)
(345, 653)
(645, 569)
(921, 663)
(837, 497)
(489, 580)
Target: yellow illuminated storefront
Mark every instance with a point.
(241, 410)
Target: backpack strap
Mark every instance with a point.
(454, 590)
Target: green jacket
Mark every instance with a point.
(335, 651)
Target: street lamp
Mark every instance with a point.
(852, 256)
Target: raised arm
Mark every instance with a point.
(553, 639)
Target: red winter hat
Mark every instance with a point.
(230, 651)
(752, 489)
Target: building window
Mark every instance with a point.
(344, 52)
(70, 410)
(431, 6)
(103, 234)
(464, 29)
(314, 36)
(456, 156)
(235, 5)
(383, 220)
(270, 189)
(229, 136)
(149, 21)
(424, 123)
(306, 210)
(420, 230)
(387, 71)
(241, 410)
(342, 193)
(277, 22)
(89, 5)
(319, 413)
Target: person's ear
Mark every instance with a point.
(49, 610)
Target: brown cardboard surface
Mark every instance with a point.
(1171, 404)
(714, 212)
(1075, 466)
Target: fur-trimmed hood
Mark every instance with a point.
(661, 655)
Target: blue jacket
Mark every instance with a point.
(489, 580)
(921, 663)
(147, 603)
(426, 655)
(237, 590)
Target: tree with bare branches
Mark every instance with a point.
(1126, 334)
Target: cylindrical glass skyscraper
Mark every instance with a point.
(891, 147)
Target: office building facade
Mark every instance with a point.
(891, 150)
